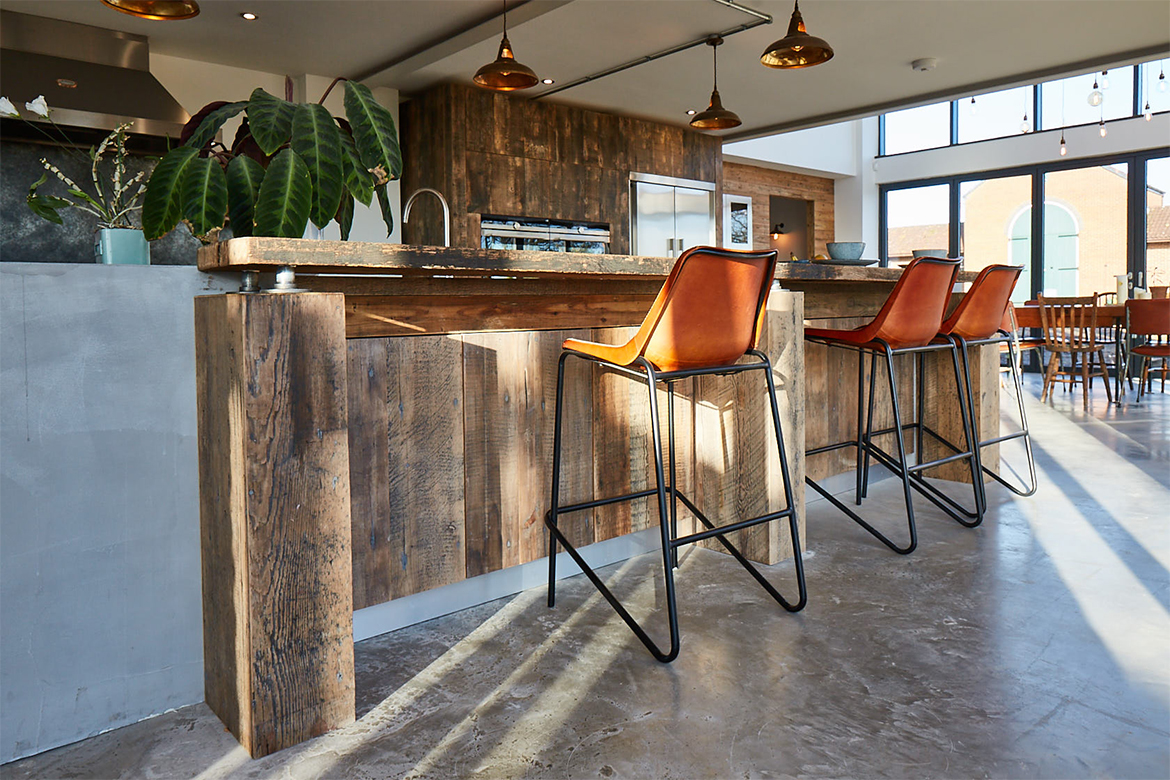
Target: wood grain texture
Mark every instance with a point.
(737, 468)
(277, 364)
(507, 155)
(426, 461)
(371, 316)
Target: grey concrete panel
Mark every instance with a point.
(99, 513)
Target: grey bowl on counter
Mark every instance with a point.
(845, 250)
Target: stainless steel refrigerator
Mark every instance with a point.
(669, 215)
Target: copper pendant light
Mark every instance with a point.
(797, 49)
(505, 74)
(715, 117)
(159, 10)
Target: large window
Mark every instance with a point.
(915, 129)
(1069, 102)
(917, 219)
(995, 226)
(1119, 93)
(1100, 219)
(996, 114)
(1157, 243)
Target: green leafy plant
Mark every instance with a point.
(290, 163)
(113, 196)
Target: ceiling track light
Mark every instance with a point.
(715, 117)
(797, 49)
(157, 10)
(505, 74)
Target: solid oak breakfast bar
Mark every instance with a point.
(386, 429)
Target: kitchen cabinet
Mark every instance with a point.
(669, 215)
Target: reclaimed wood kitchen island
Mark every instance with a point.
(387, 430)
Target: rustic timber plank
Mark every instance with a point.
(737, 468)
(369, 377)
(400, 315)
(274, 370)
(426, 480)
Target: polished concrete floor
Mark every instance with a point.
(1035, 646)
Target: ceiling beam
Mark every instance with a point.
(439, 49)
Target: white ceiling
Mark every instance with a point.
(413, 44)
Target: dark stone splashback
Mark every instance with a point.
(26, 238)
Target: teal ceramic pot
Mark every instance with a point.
(121, 246)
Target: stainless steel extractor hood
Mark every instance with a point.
(92, 78)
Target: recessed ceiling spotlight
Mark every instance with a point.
(924, 64)
(548, 81)
(691, 112)
(251, 17)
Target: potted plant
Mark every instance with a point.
(113, 196)
(289, 164)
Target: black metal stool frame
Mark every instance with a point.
(900, 466)
(668, 516)
(1013, 359)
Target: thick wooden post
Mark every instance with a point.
(274, 515)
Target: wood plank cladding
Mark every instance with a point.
(450, 444)
(761, 183)
(491, 153)
(275, 516)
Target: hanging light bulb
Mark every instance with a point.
(1025, 126)
(715, 117)
(1149, 115)
(1101, 128)
(797, 49)
(1104, 79)
(505, 74)
(1063, 145)
(974, 108)
(1095, 97)
(1162, 79)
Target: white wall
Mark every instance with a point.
(195, 84)
(822, 151)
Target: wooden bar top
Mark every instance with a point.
(362, 258)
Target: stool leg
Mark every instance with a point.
(673, 473)
(789, 498)
(863, 451)
(859, 490)
(1030, 488)
(668, 556)
(556, 481)
(919, 450)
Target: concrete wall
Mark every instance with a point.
(99, 514)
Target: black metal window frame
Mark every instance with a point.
(1135, 206)
(1038, 126)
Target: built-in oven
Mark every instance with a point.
(543, 235)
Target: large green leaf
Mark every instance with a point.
(205, 195)
(317, 141)
(270, 120)
(45, 206)
(384, 205)
(161, 207)
(373, 129)
(243, 185)
(285, 198)
(345, 216)
(212, 122)
(358, 180)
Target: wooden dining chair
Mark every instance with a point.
(1148, 321)
(1070, 328)
(1022, 344)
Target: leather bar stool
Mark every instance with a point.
(908, 324)
(707, 317)
(982, 318)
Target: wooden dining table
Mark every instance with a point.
(1108, 315)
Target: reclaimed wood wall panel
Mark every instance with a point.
(274, 372)
(491, 153)
(761, 183)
